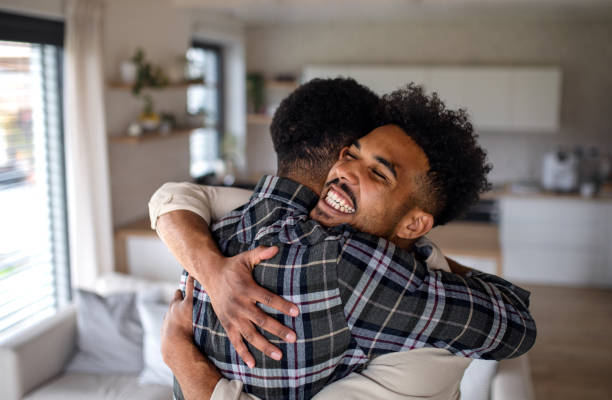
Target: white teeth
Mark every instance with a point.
(338, 203)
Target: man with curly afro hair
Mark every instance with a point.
(458, 168)
(419, 139)
(314, 122)
(375, 319)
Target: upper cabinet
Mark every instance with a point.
(504, 99)
(536, 94)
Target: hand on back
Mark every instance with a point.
(234, 295)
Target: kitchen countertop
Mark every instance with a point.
(508, 191)
(470, 239)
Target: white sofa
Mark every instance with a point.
(33, 367)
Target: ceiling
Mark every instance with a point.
(287, 11)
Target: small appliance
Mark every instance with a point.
(560, 171)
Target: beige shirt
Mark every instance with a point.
(417, 374)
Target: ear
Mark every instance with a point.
(414, 224)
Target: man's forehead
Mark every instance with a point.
(391, 146)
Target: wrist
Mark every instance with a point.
(175, 347)
(208, 268)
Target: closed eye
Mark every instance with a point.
(349, 155)
(379, 175)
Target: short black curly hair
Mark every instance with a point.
(458, 165)
(312, 124)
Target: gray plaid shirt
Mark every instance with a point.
(359, 297)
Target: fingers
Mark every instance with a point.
(271, 325)
(276, 302)
(189, 288)
(260, 253)
(260, 343)
(178, 295)
(242, 350)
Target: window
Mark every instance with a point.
(34, 265)
(205, 101)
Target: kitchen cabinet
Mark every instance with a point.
(562, 240)
(485, 92)
(498, 99)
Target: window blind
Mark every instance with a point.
(34, 265)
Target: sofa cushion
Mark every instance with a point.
(115, 282)
(109, 335)
(477, 379)
(152, 307)
(79, 386)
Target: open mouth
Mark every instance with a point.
(338, 202)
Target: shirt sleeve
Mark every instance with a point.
(230, 390)
(432, 255)
(209, 202)
(392, 302)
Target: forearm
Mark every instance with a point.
(189, 239)
(195, 374)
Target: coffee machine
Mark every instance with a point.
(560, 171)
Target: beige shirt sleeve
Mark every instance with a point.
(209, 202)
(436, 259)
(230, 390)
(427, 373)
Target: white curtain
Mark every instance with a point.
(89, 206)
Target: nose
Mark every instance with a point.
(348, 172)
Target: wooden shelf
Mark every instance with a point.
(150, 136)
(172, 85)
(276, 84)
(259, 119)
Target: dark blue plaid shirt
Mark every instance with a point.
(359, 297)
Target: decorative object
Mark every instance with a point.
(149, 75)
(134, 129)
(129, 72)
(149, 120)
(168, 122)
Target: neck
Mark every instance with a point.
(405, 244)
(311, 184)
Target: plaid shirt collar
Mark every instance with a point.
(293, 194)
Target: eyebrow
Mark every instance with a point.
(387, 164)
(380, 159)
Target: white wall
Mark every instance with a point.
(582, 49)
(164, 31)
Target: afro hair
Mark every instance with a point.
(458, 165)
(312, 124)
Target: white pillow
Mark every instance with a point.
(476, 382)
(152, 308)
(109, 334)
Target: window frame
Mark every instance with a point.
(41, 31)
(218, 49)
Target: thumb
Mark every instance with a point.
(178, 295)
(261, 253)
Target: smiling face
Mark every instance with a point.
(373, 184)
